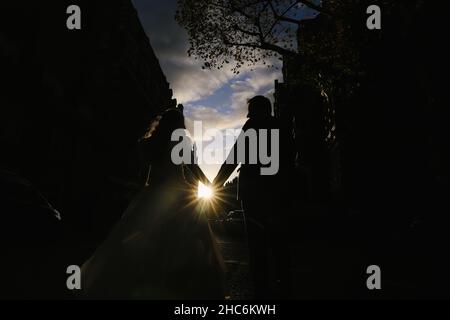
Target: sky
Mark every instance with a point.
(217, 98)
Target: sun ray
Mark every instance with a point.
(204, 191)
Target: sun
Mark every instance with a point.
(204, 191)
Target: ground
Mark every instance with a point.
(235, 254)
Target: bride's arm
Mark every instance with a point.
(198, 173)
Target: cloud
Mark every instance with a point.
(196, 88)
(188, 80)
(190, 83)
(257, 82)
(170, 43)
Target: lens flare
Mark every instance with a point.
(204, 191)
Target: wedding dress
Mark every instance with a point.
(162, 248)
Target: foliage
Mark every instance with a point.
(246, 32)
(249, 32)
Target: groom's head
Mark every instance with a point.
(259, 107)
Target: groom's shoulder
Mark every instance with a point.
(249, 124)
(268, 123)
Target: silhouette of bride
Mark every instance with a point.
(162, 248)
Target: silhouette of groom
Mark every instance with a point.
(262, 199)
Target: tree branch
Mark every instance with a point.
(232, 9)
(264, 46)
(281, 17)
(282, 51)
(258, 23)
(307, 3)
(313, 6)
(250, 33)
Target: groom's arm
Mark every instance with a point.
(231, 162)
(227, 168)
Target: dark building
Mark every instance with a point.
(74, 104)
(310, 116)
(370, 148)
